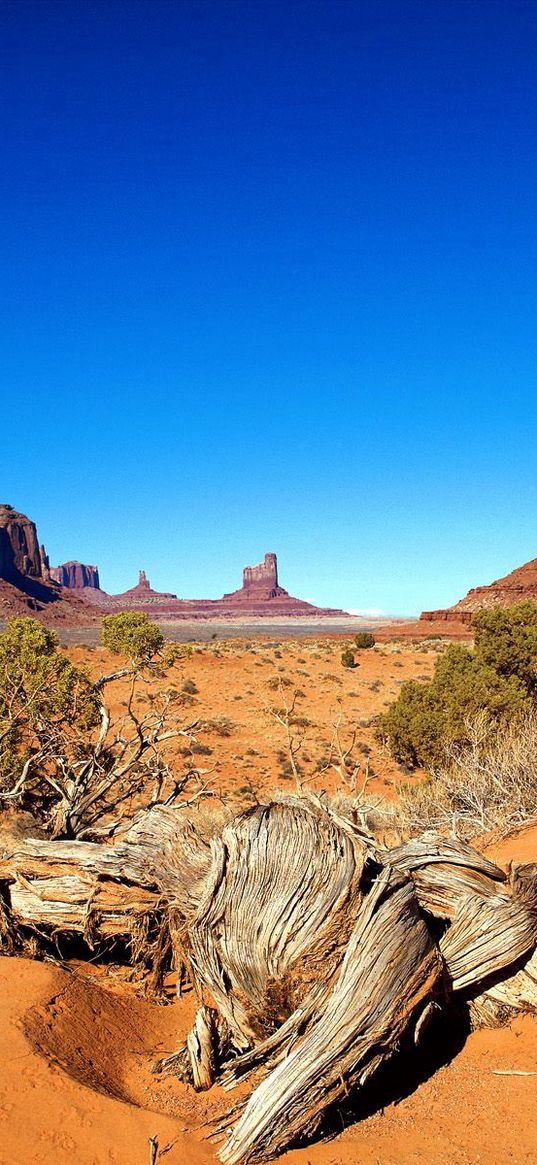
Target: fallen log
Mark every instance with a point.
(277, 914)
(312, 951)
(202, 1042)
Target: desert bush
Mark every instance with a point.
(488, 783)
(171, 654)
(364, 639)
(279, 681)
(42, 698)
(506, 640)
(65, 756)
(221, 725)
(132, 633)
(347, 658)
(497, 677)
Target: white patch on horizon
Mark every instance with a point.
(367, 612)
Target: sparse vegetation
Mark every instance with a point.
(490, 782)
(364, 640)
(497, 677)
(347, 658)
(131, 633)
(64, 755)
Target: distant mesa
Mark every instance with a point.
(260, 595)
(75, 575)
(27, 579)
(504, 592)
(259, 583)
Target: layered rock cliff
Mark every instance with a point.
(25, 577)
(75, 575)
(504, 592)
(20, 553)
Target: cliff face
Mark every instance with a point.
(520, 584)
(20, 553)
(75, 575)
(25, 577)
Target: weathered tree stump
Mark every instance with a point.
(311, 950)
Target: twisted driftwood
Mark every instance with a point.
(312, 951)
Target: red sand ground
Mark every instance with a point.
(237, 680)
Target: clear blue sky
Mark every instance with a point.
(270, 284)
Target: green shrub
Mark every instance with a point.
(506, 640)
(497, 677)
(171, 654)
(42, 696)
(364, 639)
(131, 633)
(347, 658)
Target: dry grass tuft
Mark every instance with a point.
(488, 784)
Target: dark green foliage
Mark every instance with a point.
(131, 633)
(364, 639)
(347, 658)
(38, 686)
(507, 641)
(497, 677)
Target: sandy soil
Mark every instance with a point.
(77, 1045)
(238, 681)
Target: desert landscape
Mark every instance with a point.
(268, 585)
(256, 713)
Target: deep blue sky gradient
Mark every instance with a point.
(270, 284)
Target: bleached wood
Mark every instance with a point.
(390, 968)
(317, 948)
(201, 1046)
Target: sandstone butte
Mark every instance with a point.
(260, 595)
(71, 592)
(75, 575)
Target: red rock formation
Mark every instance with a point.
(25, 585)
(29, 581)
(259, 583)
(142, 595)
(504, 592)
(75, 575)
(20, 553)
(260, 596)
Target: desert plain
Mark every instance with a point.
(78, 1040)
